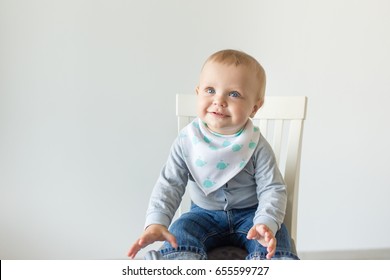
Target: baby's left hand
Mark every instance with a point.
(265, 237)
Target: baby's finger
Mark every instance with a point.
(146, 240)
(272, 244)
(170, 238)
(271, 248)
(134, 249)
(252, 233)
(267, 237)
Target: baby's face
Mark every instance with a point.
(227, 96)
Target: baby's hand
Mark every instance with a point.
(265, 237)
(151, 234)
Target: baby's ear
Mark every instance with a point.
(257, 107)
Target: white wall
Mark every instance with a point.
(81, 81)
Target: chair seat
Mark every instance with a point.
(227, 253)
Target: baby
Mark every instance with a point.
(238, 194)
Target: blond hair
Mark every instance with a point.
(234, 57)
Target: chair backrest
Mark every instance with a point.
(281, 122)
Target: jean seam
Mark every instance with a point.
(230, 218)
(184, 249)
(278, 254)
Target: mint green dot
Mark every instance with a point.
(236, 147)
(200, 162)
(256, 129)
(252, 145)
(242, 163)
(195, 124)
(208, 183)
(221, 165)
(226, 143)
(212, 147)
(207, 140)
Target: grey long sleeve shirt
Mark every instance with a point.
(259, 183)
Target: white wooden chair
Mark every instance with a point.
(281, 122)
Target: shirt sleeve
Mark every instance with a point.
(271, 189)
(169, 189)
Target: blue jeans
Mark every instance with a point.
(201, 230)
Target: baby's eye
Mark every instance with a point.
(210, 90)
(234, 94)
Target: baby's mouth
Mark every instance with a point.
(219, 115)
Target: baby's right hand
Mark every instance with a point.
(151, 234)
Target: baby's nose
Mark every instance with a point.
(219, 101)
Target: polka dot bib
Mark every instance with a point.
(213, 159)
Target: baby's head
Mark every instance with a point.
(239, 58)
(231, 90)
